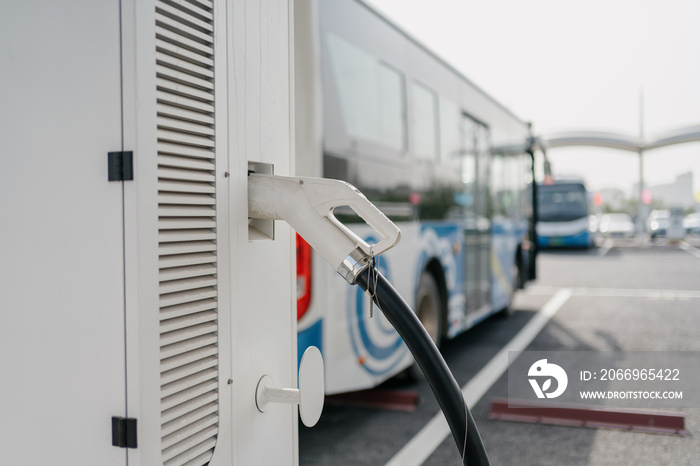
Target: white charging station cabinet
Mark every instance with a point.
(139, 311)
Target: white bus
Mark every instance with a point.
(563, 214)
(380, 111)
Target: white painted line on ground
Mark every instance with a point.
(424, 443)
(605, 247)
(619, 292)
(690, 249)
(632, 293)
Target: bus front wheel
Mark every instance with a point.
(429, 312)
(429, 307)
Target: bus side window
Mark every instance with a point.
(424, 119)
(371, 95)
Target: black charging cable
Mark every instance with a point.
(431, 362)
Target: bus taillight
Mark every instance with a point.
(303, 276)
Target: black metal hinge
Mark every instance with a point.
(124, 432)
(120, 166)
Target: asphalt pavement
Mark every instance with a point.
(625, 295)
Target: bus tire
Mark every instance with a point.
(429, 311)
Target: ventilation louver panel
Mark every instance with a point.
(187, 231)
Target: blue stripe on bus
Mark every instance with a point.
(579, 239)
(510, 229)
(372, 353)
(311, 336)
(374, 350)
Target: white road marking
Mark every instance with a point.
(424, 443)
(690, 249)
(619, 292)
(605, 247)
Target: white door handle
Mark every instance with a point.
(310, 394)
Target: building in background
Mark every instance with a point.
(676, 194)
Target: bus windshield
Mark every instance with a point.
(561, 202)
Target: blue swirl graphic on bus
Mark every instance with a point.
(377, 346)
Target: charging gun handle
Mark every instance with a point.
(307, 205)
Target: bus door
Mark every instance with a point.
(477, 223)
(483, 211)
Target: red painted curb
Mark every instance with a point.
(585, 416)
(399, 400)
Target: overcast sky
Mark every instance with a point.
(577, 65)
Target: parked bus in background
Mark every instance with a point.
(427, 147)
(562, 214)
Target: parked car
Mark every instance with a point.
(616, 225)
(658, 223)
(691, 223)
